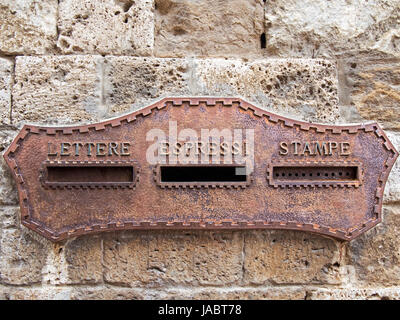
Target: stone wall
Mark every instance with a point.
(75, 61)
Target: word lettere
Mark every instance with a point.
(99, 149)
(314, 148)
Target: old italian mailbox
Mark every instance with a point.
(201, 163)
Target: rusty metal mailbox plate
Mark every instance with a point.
(201, 163)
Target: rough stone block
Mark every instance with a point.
(300, 88)
(106, 27)
(108, 293)
(176, 257)
(285, 257)
(131, 83)
(298, 28)
(77, 261)
(57, 89)
(208, 28)
(28, 26)
(236, 293)
(22, 257)
(375, 254)
(8, 190)
(36, 293)
(84, 260)
(192, 293)
(9, 217)
(372, 85)
(392, 188)
(6, 69)
(354, 294)
(126, 259)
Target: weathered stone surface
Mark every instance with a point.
(354, 294)
(57, 89)
(38, 293)
(106, 27)
(130, 83)
(237, 293)
(375, 254)
(84, 259)
(109, 293)
(9, 217)
(305, 89)
(77, 261)
(392, 189)
(27, 26)
(193, 293)
(175, 257)
(372, 85)
(22, 257)
(208, 28)
(286, 257)
(301, 88)
(6, 68)
(8, 190)
(298, 28)
(126, 259)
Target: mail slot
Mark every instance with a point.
(201, 163)
(211, 173)
(89, 174)
(197, 176)
(320, 173)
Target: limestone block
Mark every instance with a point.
(28, 26)
(126, 259)
(298, 28)
(83, 256)
(131, 83)
(8, 190)
(237, 293)
(176, 257)
(76, 261)
(9, 217)
(354, 294)
(6, 69)
(36, 293)
(106, 27)
(286, 257)
(208, 28)
(305, 89)
(373, 87)
(192, 293)
(392, 188)
(108, 293)
(299, 88)
(375, 254)
(22, 257)
(57, 89)
(207, 258)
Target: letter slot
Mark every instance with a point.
(318, 174)
(66, 174)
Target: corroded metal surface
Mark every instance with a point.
(92, 178)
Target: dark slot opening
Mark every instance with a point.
(202, 174)
(89, 174)
(315, 173)
(263, 41)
